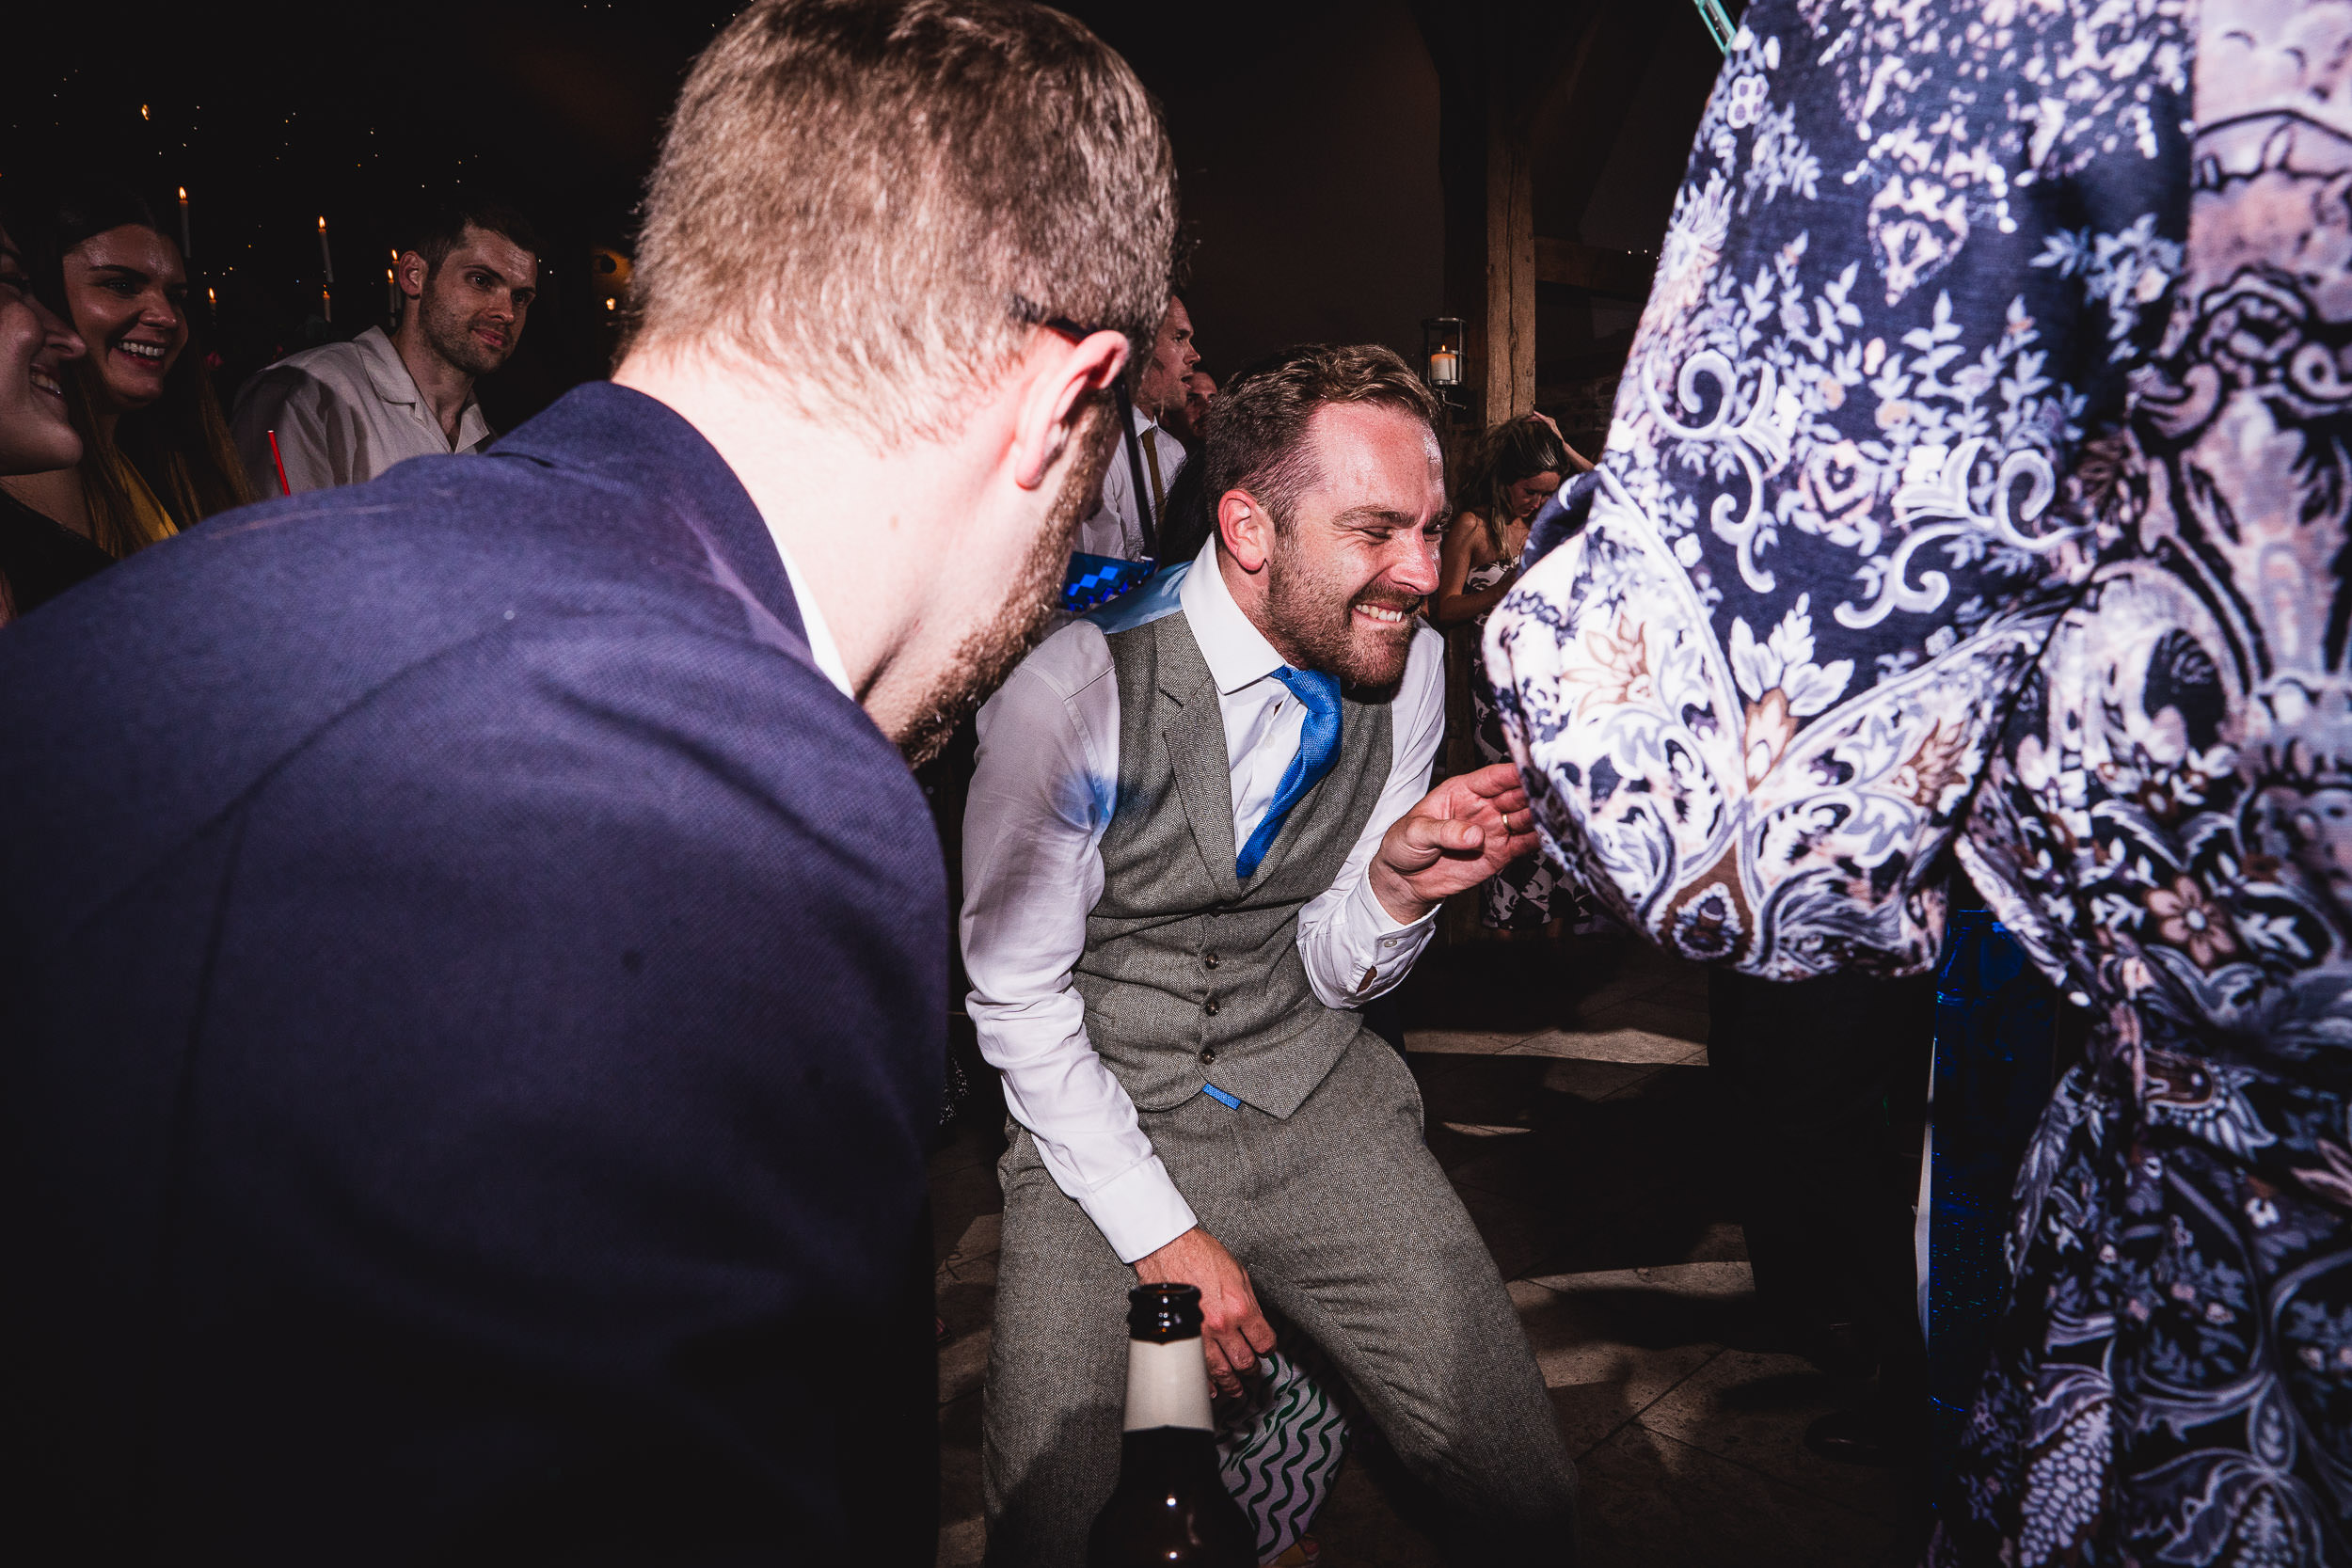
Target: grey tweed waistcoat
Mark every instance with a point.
(1191, 976)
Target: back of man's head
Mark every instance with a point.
(1259, 423)
(876, 200)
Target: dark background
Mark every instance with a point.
(1306, 132)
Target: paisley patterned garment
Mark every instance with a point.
(1979, 483)
(1520, 897)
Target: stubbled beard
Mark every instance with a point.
(450, 336)
(987, 655)
(1314, 618)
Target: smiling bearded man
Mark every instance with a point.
(1197, 843)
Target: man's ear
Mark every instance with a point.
(410, 272)
(1246, 530)
(1061, 376)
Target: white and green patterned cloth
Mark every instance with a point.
(1279, 1452)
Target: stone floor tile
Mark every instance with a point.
(1753, 1407)
(1619, 1242)
(1684, 1080)
(1483, 1091)
(1602, 1362)
(1673, 1012)
(1606, 1045)
(979, 1271)
(983, 1237)
(963, 1530)
(1516, 1233)
(1461, 1042)
(1361, 1527)
(963, 1362)
(1716, 1281)
(959, 1197)
(1478, 1129)
(962, 1544)
(1650, 1502)
(1591, 1080)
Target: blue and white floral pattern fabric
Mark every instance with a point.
(1981, 483)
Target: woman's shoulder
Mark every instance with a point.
(1471, 526)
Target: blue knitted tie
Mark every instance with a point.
(1318, 747)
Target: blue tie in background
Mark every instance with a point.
(1318, 747)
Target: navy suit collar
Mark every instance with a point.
(627, 439)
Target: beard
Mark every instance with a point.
(1316, 612)
(987, 654)
(450, 334)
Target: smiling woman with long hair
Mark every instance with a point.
(156, 453)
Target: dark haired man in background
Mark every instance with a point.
(1116, 527)
(1199, 838)
(346, 412)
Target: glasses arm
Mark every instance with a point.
(1036, 315)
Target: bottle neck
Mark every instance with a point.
(1168, 1386)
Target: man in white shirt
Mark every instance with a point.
(1116, 525)
(343, 413)
(1196, 841)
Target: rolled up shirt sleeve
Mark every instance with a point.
(1043, 791)
(1353, 948)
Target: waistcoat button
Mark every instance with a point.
(1209, 960)
(1209, 1007)
(1208, 1059)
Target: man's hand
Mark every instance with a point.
(1232, 1331)
(1465, 831)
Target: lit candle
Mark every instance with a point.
(1445, 368)
(187, 247)
(211, 300)
(143, 114)
(391, 293)
(326, 257)
(326, 304)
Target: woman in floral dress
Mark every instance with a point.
(1981, 484)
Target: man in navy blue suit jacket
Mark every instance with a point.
(471, 957)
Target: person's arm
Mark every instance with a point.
(1756, 692)
(1359, 936)
(1040, 797)
(1041, 793)
(1577, 460)
(1353, 949)
(1465, 551)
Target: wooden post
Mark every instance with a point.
(1509, 380)
(1496, 60)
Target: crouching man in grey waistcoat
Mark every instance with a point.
(1197, 841)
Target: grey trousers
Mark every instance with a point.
(1348, 1230)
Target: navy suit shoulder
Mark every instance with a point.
(475, 1012)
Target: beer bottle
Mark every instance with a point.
(1170, 1507)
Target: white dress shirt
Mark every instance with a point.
(1042, 793)
(821, 647)
(343, 414)
(1115, 527)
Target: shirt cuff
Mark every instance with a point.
(1139, 1210)
(1389, 945)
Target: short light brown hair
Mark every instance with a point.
(878, 197)
(1257, 435)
